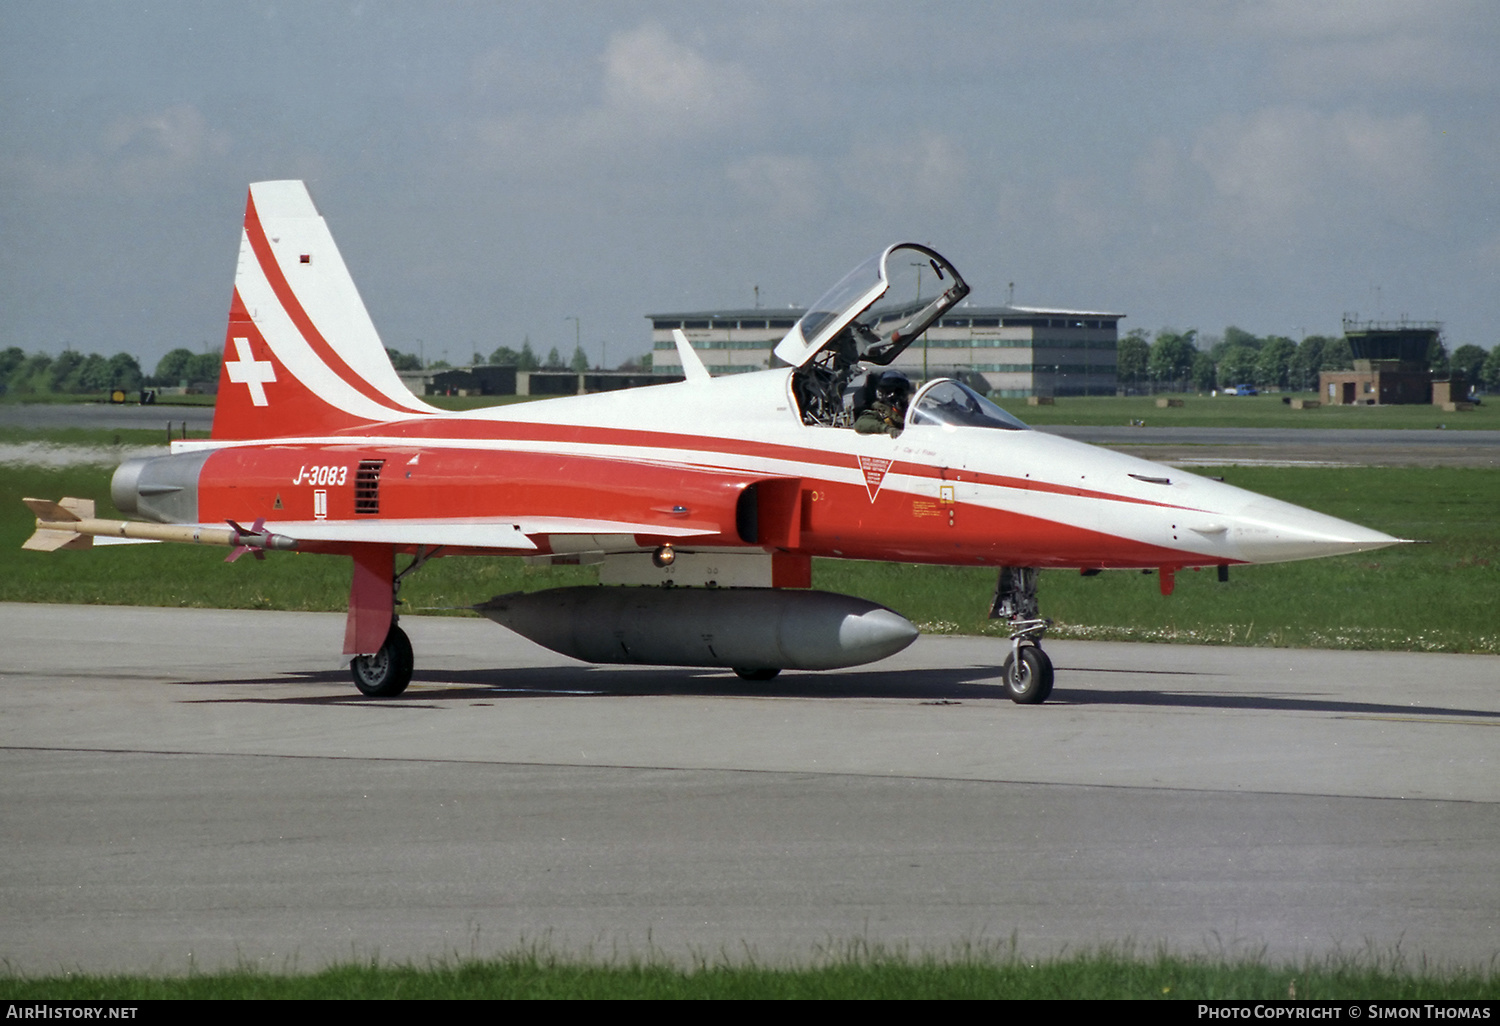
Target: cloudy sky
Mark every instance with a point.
(492, 169)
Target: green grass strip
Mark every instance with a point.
(1258, 411)
(858, 973)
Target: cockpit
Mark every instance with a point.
(950, 403)
(841, 345)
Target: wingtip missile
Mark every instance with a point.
(71, 524)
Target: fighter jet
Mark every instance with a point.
(703, 501)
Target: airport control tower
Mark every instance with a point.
(1390, 364)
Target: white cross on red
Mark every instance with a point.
(249, 371)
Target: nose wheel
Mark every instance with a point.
(1027, 672)
(1028, 675)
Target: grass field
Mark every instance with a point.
(1246, 411)
(64, 398)
(859, 973)
(96, 438)
(1439, 596)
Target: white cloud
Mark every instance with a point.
(162, 144)
(140, 153)
(788, 188)
(1340, 19)
(651, 78)
(1283, 169)
(926, 171)
(653, 89)
(1158, 173)
(1357, 46)
(1083, 211)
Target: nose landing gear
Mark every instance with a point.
(1027, 671)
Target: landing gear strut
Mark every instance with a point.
(1028, 670)
(386, 673)
(379, 670)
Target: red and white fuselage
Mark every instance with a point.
(307, 394)
(735, 481)
(667, 463)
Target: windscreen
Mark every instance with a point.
(952, 404)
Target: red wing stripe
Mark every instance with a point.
(283, 289)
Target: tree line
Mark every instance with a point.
(1182, 360)
(70, 372)
(1174, 359)
(524, 359)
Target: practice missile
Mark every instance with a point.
(70, 524)
(739, 628)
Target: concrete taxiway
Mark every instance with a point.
(202, 788)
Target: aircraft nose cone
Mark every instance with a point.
(1268, 531)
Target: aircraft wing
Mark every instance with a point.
(514, 535)
(71, 524)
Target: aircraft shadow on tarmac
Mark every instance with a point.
(928, 686)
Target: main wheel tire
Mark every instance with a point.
(386, 673)
(1029, 678)
(762, 673)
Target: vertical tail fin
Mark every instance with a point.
(301, 355)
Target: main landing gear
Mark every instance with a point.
(386, 673)
(380, 670)
(1027, 671)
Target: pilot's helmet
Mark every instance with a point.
(893, 387)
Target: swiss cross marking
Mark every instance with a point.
(249, 371)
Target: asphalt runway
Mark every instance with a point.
(106, 416)
(200, 788)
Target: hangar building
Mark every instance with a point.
(1013, 351)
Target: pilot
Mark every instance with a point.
(887, 414)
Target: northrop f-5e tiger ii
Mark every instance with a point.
(703, 501)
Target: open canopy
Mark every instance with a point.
(834, 320)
